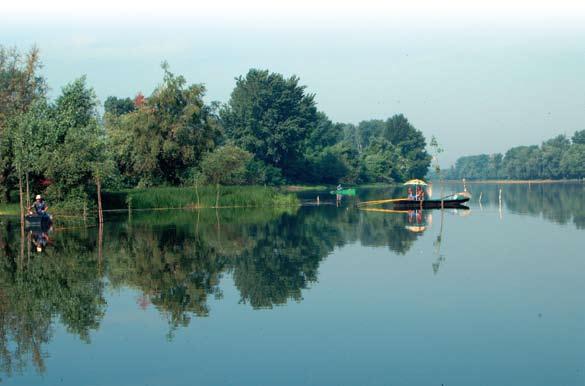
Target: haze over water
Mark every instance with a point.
(314, 295)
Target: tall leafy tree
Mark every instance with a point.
(270, 116)
(411, 143)
(579, 137)
(168, 133)
(552, 151)
(384, 162)
(118, 106)
(78, 145)
(20, 86)
(573, 161)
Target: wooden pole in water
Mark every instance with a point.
(500, 202)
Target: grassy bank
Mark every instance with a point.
(186, 197)
(9, 210)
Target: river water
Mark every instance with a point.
(321, 295)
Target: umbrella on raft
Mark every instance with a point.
(415, 182)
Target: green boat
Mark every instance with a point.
(344, 192)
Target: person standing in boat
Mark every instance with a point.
(39, 207)
(411, 195)
(420, 194)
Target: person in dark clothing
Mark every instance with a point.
(39, 207)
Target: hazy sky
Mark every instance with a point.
(480, 75)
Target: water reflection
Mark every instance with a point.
(177, 260)
(561, 203)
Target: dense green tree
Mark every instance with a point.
(409, 141)
(164, 138)
(478, 167)
(20, 86)
(579, 137)
(77, 145)
(552, 151)
(322, 135)
(118, 106)
(368, 130)
(384, 162)
(573, 161)
(523, 162)
(271, 116)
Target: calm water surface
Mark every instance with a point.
(316, 295)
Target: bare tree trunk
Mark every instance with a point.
(27, 192)
(20, 197)
(217, 195)
(99, 197)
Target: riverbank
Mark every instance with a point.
(178, 198)
(9, 210)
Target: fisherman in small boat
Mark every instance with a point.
(39, 207)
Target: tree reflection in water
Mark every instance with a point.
(177, 260)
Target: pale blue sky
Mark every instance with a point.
(479, 87)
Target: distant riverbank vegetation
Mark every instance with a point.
(270, 132)
(555, 159)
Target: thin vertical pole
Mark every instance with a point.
(99, 197)
(21, 198)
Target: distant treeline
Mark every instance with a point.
(557, 158)
(269, 132)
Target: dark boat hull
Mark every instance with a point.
(36, 221)
(430, 204)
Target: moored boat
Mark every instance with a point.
(418, 200)
(38, 221)
(455, 201)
